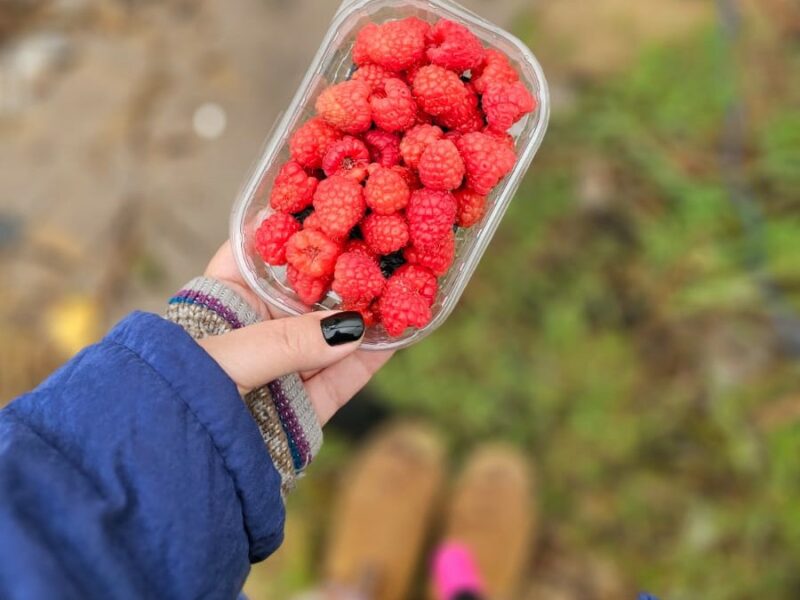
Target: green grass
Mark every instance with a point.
(627, 348)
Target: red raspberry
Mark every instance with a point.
(293, 189)
(368, 310)
(411, 72)
(437, 90)
(364, 40)
(360, 247)
(394, 45)
(311, 141)
(453, 136)
(386, 191)
(496, 69)
(464, 115)
(348, 157)
(393, 106)
(357, 278)
(400, 310)
(438, 258)
(312, 253)
(471, 207)
(409, 176)
(271, 237)
(506, 103)
(309, 289)
(415, 141)
(502, 136)
(431, 215)
(346, 106)
(385, 234)
(374, 75)
(312, 222)
(486, 159)
(384, 147)
(417, 279)
(454, 47)
(441, 167)
(338, 205)
(407, 299)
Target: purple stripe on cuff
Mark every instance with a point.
(192, 297)
(293, 429)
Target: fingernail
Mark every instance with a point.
(342, 328)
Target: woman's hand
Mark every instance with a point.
(317, 345)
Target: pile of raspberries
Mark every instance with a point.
(398, 157)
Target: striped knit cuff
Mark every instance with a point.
(281, 409)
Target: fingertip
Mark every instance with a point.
(346, 327)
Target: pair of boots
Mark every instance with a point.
(387, 513)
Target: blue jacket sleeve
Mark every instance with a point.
(135, 471)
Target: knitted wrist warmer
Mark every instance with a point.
(281, 409)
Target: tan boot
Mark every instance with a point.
(383, 513)
(492, 513)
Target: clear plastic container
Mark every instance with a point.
(332, 64)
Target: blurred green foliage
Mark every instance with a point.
(619, 338)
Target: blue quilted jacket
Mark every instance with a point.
(134, 471)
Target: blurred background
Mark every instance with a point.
(634, 328)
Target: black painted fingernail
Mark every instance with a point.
(342, 328)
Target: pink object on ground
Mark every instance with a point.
(455, 572)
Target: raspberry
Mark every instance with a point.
(374, 75)
(312, 253)
(312, 222)
(271, 237)
(409, 176)
(311, 141)
(364, 40)
(471, 207)
(486, 159)
(360, 247)
(438, 258)
(385, 234)
(463, 115)
(346, 106)
(309, 289)
(357, 278)
(348, 157)
(406, 300)
(501, 136)
(417, 279)
(384, 147)
(496, 69)
(395, 45)
(393, 106)
(338, 205)
(441, 167)
(293, 189)
(505, 103)
(453, 136)
(437, 90)
(368, 310)
(401, 310)
(415, 141)
(454, 47)
(386, 191)
(431, 215)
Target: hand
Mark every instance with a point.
(255, 355)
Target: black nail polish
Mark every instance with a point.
(342, 328)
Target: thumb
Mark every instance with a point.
(255, 355)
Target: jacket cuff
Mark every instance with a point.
(211, 396)
(282, 410)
